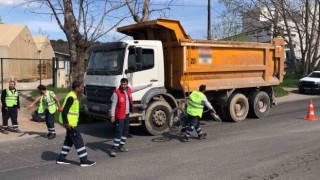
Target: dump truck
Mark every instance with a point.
(239, 76)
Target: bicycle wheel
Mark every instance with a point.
(175, 122)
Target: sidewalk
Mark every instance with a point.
(28, 128)
(295, 95)
(34, 129)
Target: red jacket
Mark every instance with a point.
(120, 112)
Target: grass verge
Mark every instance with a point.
(35, 92)
(290, 81)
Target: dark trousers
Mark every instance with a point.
(49, 118)
(73, 137)
(10, 112)
(122, 131)
(193, 122)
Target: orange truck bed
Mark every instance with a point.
(220, 65)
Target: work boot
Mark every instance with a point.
(113, 151)
(63, 161)
(123, 149)
(202, 136)
(52, 136)
(16, 130)
(87, 163)
(185, 139)
(184, 129)
(4, 131)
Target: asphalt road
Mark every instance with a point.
(281, 146)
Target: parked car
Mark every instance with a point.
(310, 83)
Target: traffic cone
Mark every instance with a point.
(310, 116)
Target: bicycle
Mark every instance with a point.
(179, 119)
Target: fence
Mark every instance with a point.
(29, 73)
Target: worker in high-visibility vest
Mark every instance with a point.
(196, 103)
(47, 107)
(10, 106)
(69, 118)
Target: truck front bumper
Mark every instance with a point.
(97, 110)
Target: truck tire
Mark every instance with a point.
(238, 107)
(259, 104)
(157, 117)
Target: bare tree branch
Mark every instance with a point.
(83, 23)
(142, 13)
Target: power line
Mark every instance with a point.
(159, 4)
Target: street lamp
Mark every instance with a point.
(40, 68)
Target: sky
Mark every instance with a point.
(192, 14)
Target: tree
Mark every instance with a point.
(228, 28)
(1, 21)
(140, 9)
(83, 22)
(288, 18)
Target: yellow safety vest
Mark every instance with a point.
(73, 114)
(11, 98)
(195, 106)
(52, 107)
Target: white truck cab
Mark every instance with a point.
(140, 61)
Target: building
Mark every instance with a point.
(257, 27)
(20, 52)
(45, 51)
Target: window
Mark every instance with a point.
(287, 46)
(106, 62)
(147, 60)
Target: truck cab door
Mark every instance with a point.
(142, 69)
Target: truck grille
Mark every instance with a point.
(99, 94)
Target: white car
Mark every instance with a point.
(310, 83)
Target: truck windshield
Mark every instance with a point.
(106, 62)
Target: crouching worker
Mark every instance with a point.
(47, 108)
(69, 118)
(196, 103)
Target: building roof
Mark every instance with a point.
(9, 32)
(41, 41)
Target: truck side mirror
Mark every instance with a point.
(138, 52)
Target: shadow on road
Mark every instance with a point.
(39, 134)
(106, 130)
(52, 156)
(103, 146)
(167, 137)
(49, 156)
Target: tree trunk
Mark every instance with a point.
(77, 53)
(77, 43)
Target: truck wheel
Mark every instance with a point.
(259, 103)
(157, 117)
(238, 107)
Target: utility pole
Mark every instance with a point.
(209, 20)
